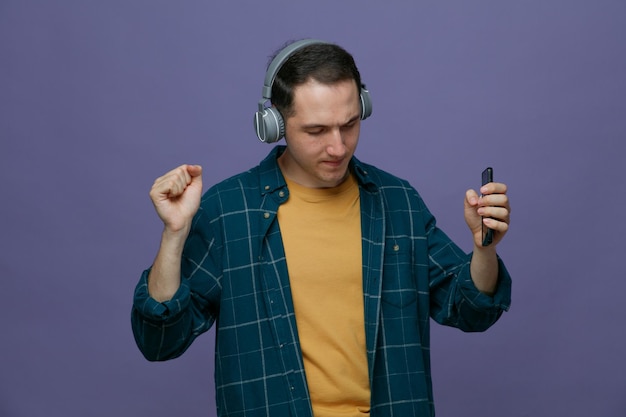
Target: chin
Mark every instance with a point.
(335, 180)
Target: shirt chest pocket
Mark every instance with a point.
(399, 288)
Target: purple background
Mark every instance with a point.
(98, 98)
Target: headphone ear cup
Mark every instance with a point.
(269, 125)
(366, 103)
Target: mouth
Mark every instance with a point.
(333, 163)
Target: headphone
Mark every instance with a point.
(268, 122)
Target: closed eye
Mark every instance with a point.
(315, 132)
(348, 126)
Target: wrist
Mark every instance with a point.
(486, 250)
(174, 238)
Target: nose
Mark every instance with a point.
(336, 146)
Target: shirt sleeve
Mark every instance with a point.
(164, 330)
(455, 300)
(500, 300)
(471, 310)
(151, 309)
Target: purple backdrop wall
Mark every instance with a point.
(99, 98)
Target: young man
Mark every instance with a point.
(320, 272)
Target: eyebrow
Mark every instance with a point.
(317, 126)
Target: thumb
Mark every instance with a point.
(194, 170)
(195, 174)
(471, 199)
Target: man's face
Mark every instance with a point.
(322, 133)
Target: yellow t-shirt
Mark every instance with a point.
(321, 231)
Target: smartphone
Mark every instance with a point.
(487, 177)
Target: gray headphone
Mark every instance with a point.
(268, 122)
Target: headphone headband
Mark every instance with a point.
(278, 62)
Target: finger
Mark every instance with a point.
(167, 187)
(167, 177)
(495, 200)
(183, 174)
(493, 188)
(172, 184)
(471, 198)
(497, 213)
(498, 226)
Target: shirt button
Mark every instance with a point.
(281, 194)
(396, 248)
(267, 187)
(266, 215)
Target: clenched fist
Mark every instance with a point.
(176, 196)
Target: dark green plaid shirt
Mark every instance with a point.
(235, 274)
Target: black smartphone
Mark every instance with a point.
(487, 177)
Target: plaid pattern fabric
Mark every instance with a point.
(235, 274)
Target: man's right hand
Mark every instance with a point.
(176, 197)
